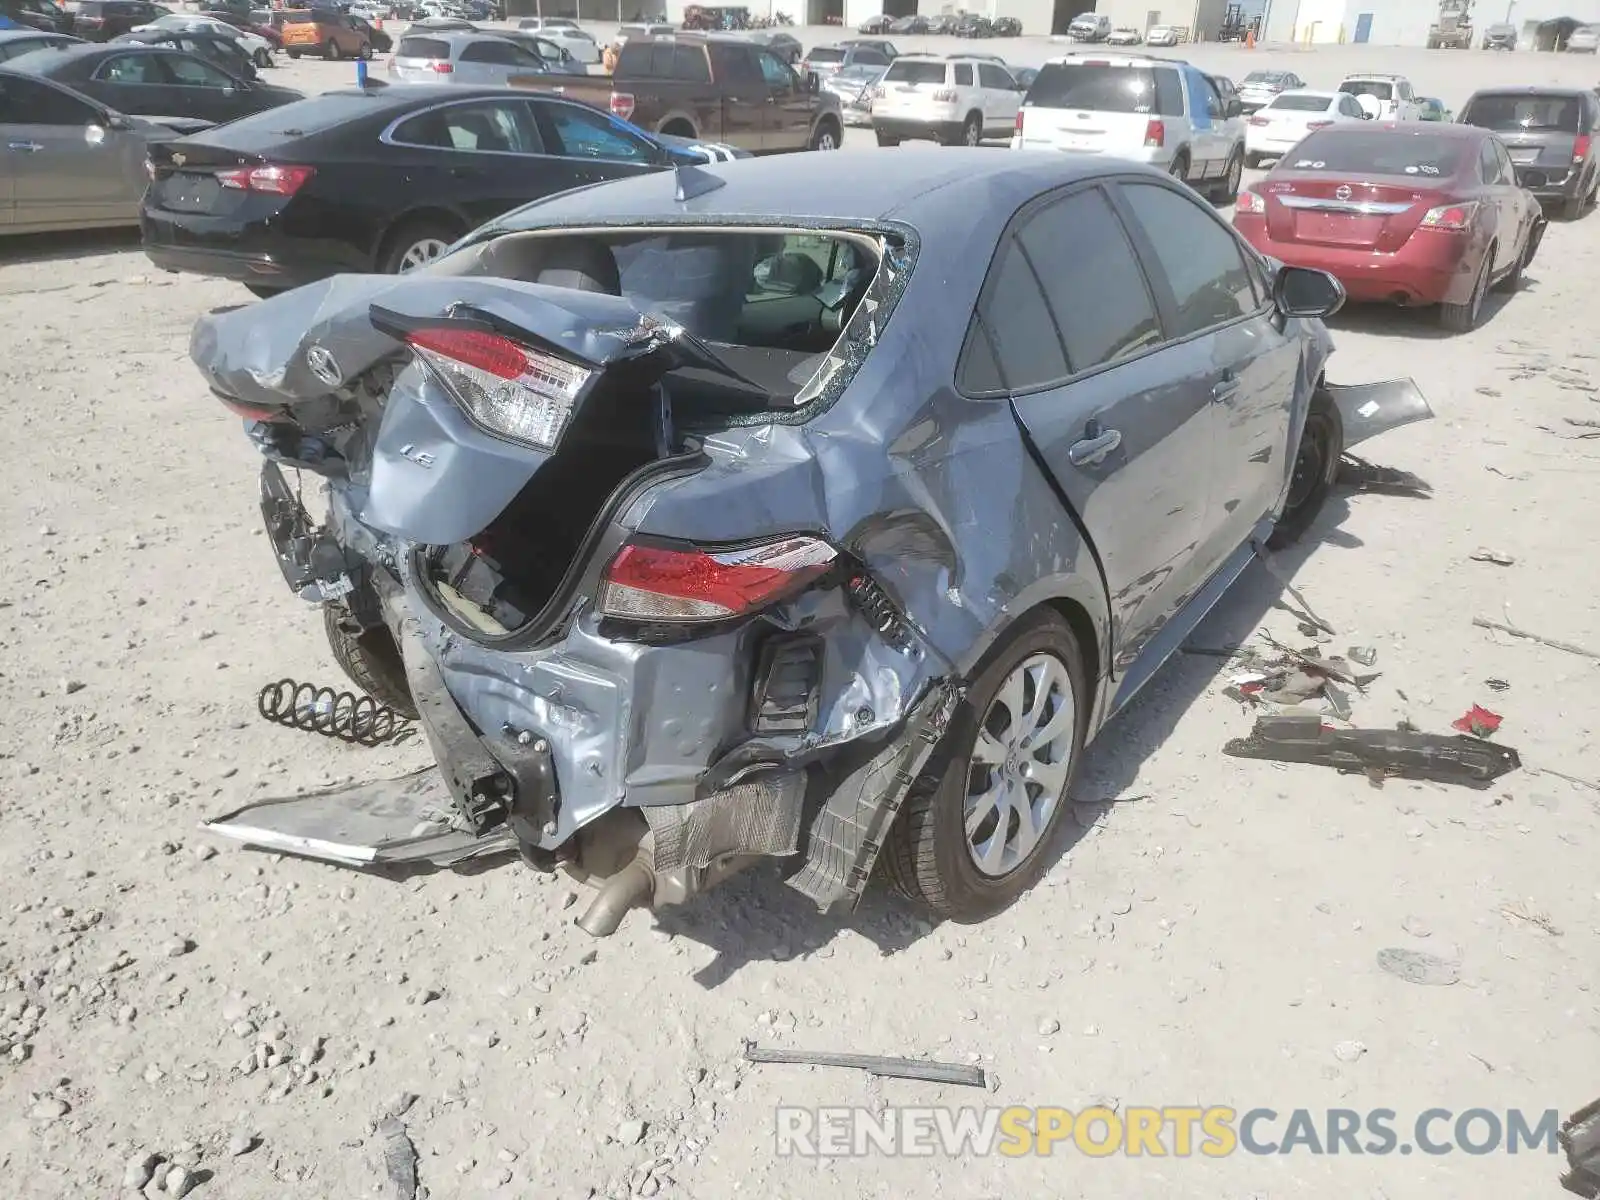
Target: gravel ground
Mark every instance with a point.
(1209, 938)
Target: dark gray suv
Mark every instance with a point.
(1550, 134)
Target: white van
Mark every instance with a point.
(956, 101)
(1158, 111)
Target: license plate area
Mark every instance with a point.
(1337, 228)
(1521, 157)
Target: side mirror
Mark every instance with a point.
(813, 83)
(1305, 292)
(1234, 108)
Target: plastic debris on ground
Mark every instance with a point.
(1414, 966)
(1378, 754)
(1295, 680)
(1493, 556)
(1478, 721)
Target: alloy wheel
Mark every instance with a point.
(974, 134)
(1310, 463)
(1020, 765)
(422, 252)
(826, 140)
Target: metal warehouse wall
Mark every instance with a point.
(1035, 15)
(1278, 22)
(1208, 18)
(1402, 22)
(1141, 14)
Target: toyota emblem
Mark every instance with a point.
(324, 366)
(1342, 192)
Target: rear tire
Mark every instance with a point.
(971, 132)
(1574, 207)
(331, 51)
(1316, 467)
(930, 858)
(372, 662)
(1180, 166)
(1513, 281)
(1253, 161)
(1463, 318)
(263, 58)
(293, 52)
(827, 136)
(414, 244)
(365, 53)
(1227, 189)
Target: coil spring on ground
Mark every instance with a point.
(359, 720)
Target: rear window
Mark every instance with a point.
(901, 71)
(417, 47)
(1379, 89)
(1101, 88)
(826, 54)
(300, 17)
(1512, 113)
(665, 60)
(1264, 77)
(1382, 152)
(1300, 103)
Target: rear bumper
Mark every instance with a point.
(1270, 142)
(203, 245)
(911, 128)
(1428, 269)
(1551, 183)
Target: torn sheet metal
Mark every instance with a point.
(1369, 409)
(403, 820)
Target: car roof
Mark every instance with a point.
(1461, 133)
(11, 35)
(36, 62)
(1532, 89)
(1116, 60)
(1360, 75)
(928, 189)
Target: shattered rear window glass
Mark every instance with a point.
(1382, 152)
(1514, 113)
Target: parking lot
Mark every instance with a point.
(1209, 939)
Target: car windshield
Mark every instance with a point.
(1381, 152)
(901, 71)
(1512, 113)
(1378, 89)
(1093, 87)
(826, 54)
(416, 47)
(1300, 102)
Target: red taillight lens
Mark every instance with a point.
(1580, 147)
(508, 390)
(1018, 126)
(1155, 133)
(273, 180)
(656, 583)
(1249, 202)
(1318, 124)
(622, 105)
(1258, 121)
(1452, 218)
(442, 68)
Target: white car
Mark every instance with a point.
(1393, 97)
(564, 32)
(1159, 111)
(1277, 128)
(256, 46)
(1124, 37)
(1163, 35)
(957, 101)
(1260, 88)
(371, 12)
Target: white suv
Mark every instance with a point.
(1395, 98)
(1152, 110)
(957, 101)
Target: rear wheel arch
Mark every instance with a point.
(413, 219)
(678, 125)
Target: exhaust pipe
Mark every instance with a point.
(628, 888)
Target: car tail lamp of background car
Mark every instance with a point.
(1318, 124)
(1260, 122)
(654, 583)
(269, 180)
(1249, 202)
(1155, 134)
(1449, 218)
(507, 389)
(1580, 147)
(622, 105)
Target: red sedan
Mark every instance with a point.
(1409, 213)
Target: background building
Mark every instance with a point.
(1541, 24)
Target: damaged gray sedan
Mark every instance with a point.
(781, 509)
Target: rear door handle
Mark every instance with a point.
(25, 147)
(1093, 449)
(1225, 390)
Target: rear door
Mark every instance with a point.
(744, 95)
(1217, 313)
(1500, 193)
(1000, 97)
(493, 62)
(1209, 139)
(492, 151)
(789, 105)
(1068, 331)
(205, 90)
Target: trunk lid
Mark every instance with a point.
(1095, 106)
(909, 89)
(1377, 214)
(183, 177)
(421, 59)
(1540, 129)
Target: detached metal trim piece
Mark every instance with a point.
(848, 834)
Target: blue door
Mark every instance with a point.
(1363, 27)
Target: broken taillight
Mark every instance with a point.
(689, 583)
(1451, 218)
(1155, 133)
(622, 105)
(1249, 202)
(507, 389)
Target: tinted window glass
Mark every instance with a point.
(733, 66)
(1097, 88)
(1024, 350)
(191, 72)
(1378, 88)
(901, 71)
(27, 102)
(872, 57)
(963, 74)
(826, 54)
(776, 72)
(689, 65)
(1511, 114)
(1200, 259)
(1300, 102)
(580, 133)
(497, 53)
(504, 127)
(416, 47)
(995, 77)
(1092, 280)
(131, 68)
(1382, 152)
(1349, 105)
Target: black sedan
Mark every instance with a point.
(154, 81)
(37, 14)
(377, 179)
(214, 47)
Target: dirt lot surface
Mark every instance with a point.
(1209, 938)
